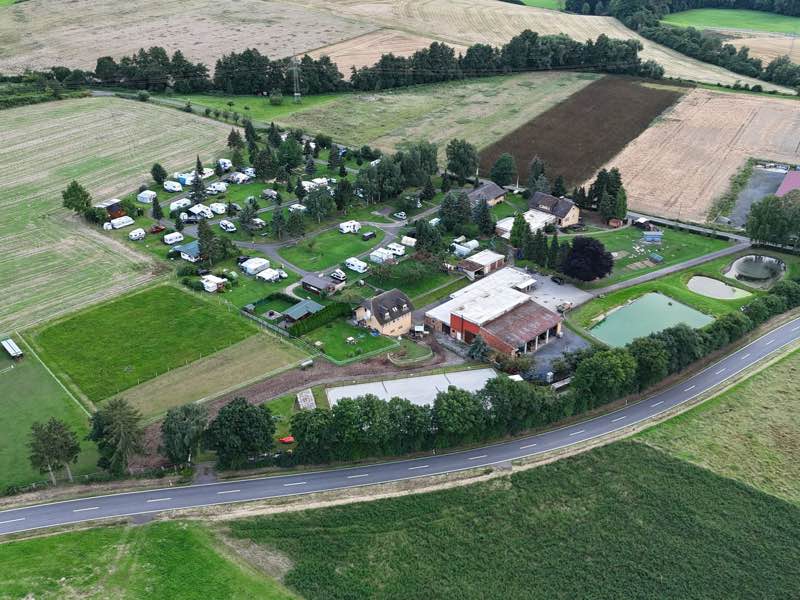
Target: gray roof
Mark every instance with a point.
(558, 207)
(317, 282)
(487, 190)
(394, 303)
(302, 309)
(191, 249)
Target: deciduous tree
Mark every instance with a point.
(181, 432)
(239, 432)
(587, 259)
(504, 170)
(53, 445)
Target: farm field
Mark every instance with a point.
(41, 33)
(254, 357)
(334, 340)
(480, 110)
(594, 121)
(676, 247)
(116, 345)
(766, 46)
(28, 393)
(725, 18)
(654, 527)
(329, 248)
(747, 433)
(177, 560)
(702, 142)
(492, 22)
(51, 262)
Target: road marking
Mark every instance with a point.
(83, 509)
(229, 492)
(577, 432)
(419, 467)
(159, 499)
(296, 483)
(477, 457)
(657, 403)
(796, 328)
(527, 446)
(357, 476)
(12, 521)
(745, 356)
(769, 342)
(690, 388)
(720, 371)
(619, 419)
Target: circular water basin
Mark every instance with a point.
(757, 270)
(714, 288)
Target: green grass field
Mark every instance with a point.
(28, 393)
(334, 340)
(723, 18)
(676, 247)
(119, 344)
(748, 433)
(623, 521)
(176, 560)
(329, 248)
(551, 4)
(259, 107)
(442, 292)
(402, 278)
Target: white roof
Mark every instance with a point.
(121, 222)
(305, 399)
(199, 208)
(486, 258)
(395, 246)
(350, 224)
(11, 347)
(408, 241)
(535, 218)
(147, 194)
(213, 279)
(356, 261)
(268, 274)
(484, 300)
(382, 252)
(254, 263)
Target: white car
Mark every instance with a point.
(227, 226)
(339, 275)
(282, 274)
(137, 234)
(400, 215)
(250, 172)
(218, 208)
(173, 186)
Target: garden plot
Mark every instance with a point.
(682, 163)
(51, 262)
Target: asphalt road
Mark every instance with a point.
(153, 501)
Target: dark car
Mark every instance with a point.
(368, 235)
(157, 229)
(241, 259)
(557, 280)
(202, 272)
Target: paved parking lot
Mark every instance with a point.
(419, 390)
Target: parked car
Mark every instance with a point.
(557, 280)
(282, 274)
(368, 235)
(157, 229)
(400, 215)
(226, 225)
(241, 259)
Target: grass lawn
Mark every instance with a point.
(439, 293)
(118, 344)
(509, 207)
(676, 247)
(623, 521)
(259, 107)
(334, 340)
(551, 4)
(249, 288)
(747, 433)
(724, 18)
(410, 351)
(403, 278)
(176, 560)
(329, 248)
(28, 393)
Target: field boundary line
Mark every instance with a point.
(63, 387)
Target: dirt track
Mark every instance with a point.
(680, 165)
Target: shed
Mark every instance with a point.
(11, 347)
(318, 285)
(190, 251)
(302, 309)
(253, 266)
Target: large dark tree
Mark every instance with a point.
(158, 173)
(181, 431)
(504, 170)
(587, 259)
(117, 430)
(239, 432)
(462, 159)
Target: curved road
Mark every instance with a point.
(153, 501)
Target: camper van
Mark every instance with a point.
(225, 164)
(201, 210)
(146, 197)
(270, 275)
(226, 225)
(173, 186)
(396, 249)
(349, 227)
(136, 235)
(218, 208)
(218, 187)
(381, 255)
(338, 275)
(173, 238)
(354, 264)
(297, 208)
(179, 204)
(121, 222)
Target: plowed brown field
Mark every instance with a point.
(680, 165)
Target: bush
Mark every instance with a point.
(275, 98)
(327, 315)
(142, 96)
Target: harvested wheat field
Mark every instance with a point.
(680, 165)
(42, 33)
(493, 22)
(50, 262)
(575, 137)
(768, 46)
(365, 50)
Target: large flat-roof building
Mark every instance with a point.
(481, 264)
(498, 309)
(536, 220)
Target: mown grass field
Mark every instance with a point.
(259, 109)
(329, 248)
(623, 521)
(50, 262)
(724, 18)
(481, 111)
(176, 560)
(748, 433)
(119, 344)
(334, 340)
(402, 278)
(28, 393)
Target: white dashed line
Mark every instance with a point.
(689, 389)
(745, 356)
(720, 371)
(12, 521)
(159, 499)
(357, 476)
(83, 509)
(577, 432)
(419, 467)
(796, 328)
(229, 492)
(618, 419)
(769, 342)
(657, 403)
(525, 447)
(477, 457)
(296, 483)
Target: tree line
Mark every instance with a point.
(775, 220)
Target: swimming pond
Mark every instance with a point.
(714, 288)
(647, 314)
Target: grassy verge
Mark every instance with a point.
(163, 560)
(621, 521)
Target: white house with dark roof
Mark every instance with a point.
(389, 313)
(563, 209)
